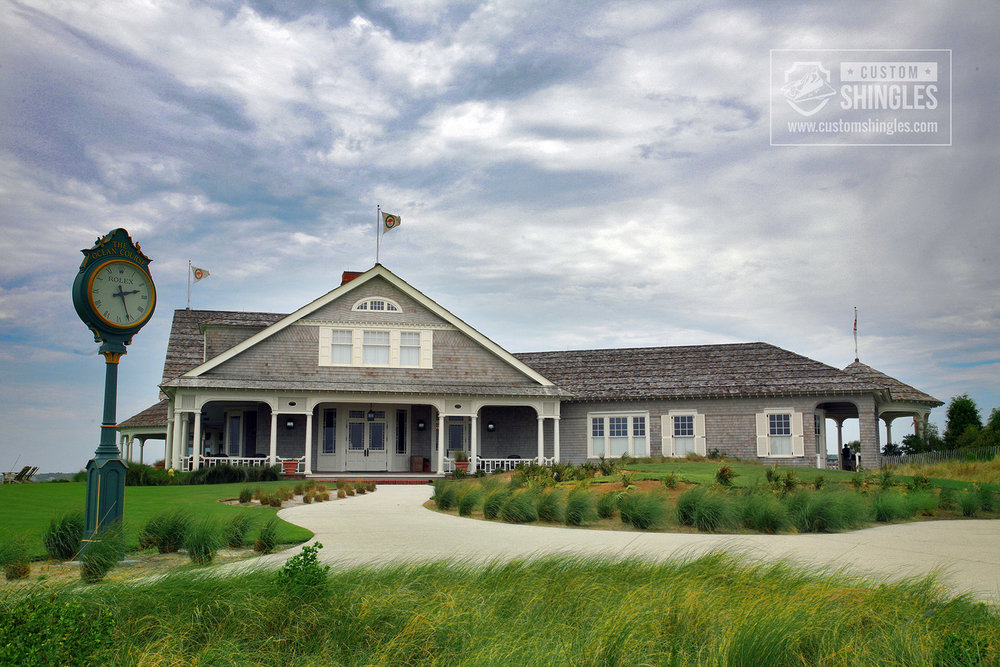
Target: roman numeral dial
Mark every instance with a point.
(121, 294)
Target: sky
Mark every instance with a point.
(569, 175)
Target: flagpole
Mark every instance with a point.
(189, 285)
(378, 236)
(856, 358)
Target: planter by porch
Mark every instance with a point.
(290, 467)
(462, 465)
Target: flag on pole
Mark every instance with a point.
(390, 221)
(199, 273)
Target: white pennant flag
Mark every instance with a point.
(199, 273)
(390, 221)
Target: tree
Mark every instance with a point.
(962, 413)
(929, 440)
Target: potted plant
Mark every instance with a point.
(461, 460)
(290, 466)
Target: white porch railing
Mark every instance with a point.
(187, 462)
(493, 465)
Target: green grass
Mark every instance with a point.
(28, 508)
(716, 610)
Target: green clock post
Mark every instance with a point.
(114, 296)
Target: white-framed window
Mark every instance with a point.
(342, 342)
(779, 433)
(683, 433)
(614, 434)
(376, 346)
(329, 442)
(377, 304)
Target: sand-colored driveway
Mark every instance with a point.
(391, 525)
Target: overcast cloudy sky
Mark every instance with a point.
(569, 175)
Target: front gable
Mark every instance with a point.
(343, 335)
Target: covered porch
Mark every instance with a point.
(332, 434)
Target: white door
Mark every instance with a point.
(366, 438)
(458, 434)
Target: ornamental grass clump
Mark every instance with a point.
(101, 553)
(889, 506)
(14, 558)
(642, 509)
(826, 511)
(987, 499)
(494, 501)
(246, 495)
(764, 513)
(445, 494)
(165, 531)
(64, 535)
(469, 499)
(607, 504)
(969, 503)
(921, 502)
(267, 538)
(519, 508)
(202, 541)
(551, 506)
(236, 529)
(581, 508)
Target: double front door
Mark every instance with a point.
(366, 440)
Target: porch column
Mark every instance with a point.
(555, 438)
(169, 439)
(541, 439)
(440, 444)
(840, 442)
(273, 456)
(175, 446)
(309, 449)
(142, 448)
(185, 432)
(198, 449)
(473, 442)
(888, 430)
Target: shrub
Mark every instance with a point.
(299, 489)
(341, 493)
(986, 498)
(223, 473)
(888, 506)
(772, 475)
(789, 482)
(139, 474)
(919, 482)
(62, 539)
(303, 571)
(325, 495)
(724, 475)
(494, 502)
(670, 481)
(61, 628)
(819, 482)
(642, 510)
(14, 558)
(307, 497)
(267, 538)
(607, 504)
(469, 500)
(580, 507)
(202, 541)
(276, 500)
(246, 495)
(551, 506)
(102, 553)
(236, 530)
(165, 531)
(947, 500)
(885, 479)
(764, 513)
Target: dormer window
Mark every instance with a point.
(377, 304)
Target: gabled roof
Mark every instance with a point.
(898, 391)
(378, 271)
(696, 371)
(153, 416)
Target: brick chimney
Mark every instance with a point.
(348, 276)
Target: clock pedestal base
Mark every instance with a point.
(105, 495)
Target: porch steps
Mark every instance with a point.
(379, 480)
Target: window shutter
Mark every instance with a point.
(357, 343)
(427, 349)
(798, 443)
(394, 339)
(699, 434)
(667, 436)
(762, 448)
(325, 346)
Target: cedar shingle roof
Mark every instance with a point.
(185, 347)
(898, 391)
(153, 416)
(696, 371)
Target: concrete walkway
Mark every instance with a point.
(392, 526)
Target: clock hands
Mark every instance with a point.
(121, 293)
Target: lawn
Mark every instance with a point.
(29, 507)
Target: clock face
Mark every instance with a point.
(121, 294)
